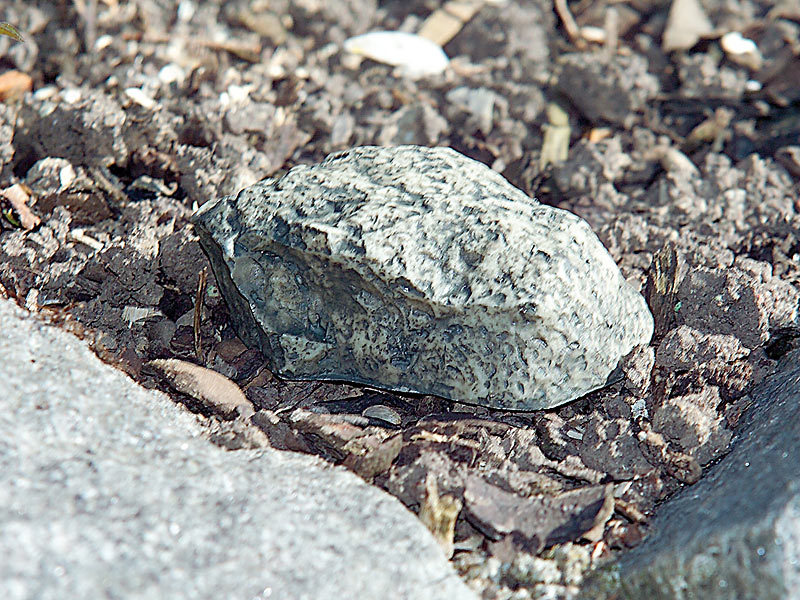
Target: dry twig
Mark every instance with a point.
(570, 26)
(198, 313)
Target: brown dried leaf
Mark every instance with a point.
(212, 389)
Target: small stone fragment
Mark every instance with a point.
(419, 270)
(541, 521)
(684, 348)
(372, 455)
(742, 50)
(686, 24)
(89, 131)
(611, 446)
(209, 387)
(740, 301)
(637, 368)
(694, 425)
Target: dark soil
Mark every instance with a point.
(142, 110)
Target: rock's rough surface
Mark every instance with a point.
(109, 490)
(735, 534)
(418, 269)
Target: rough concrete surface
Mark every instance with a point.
(736, 534)
(419, 269)
(108, 490)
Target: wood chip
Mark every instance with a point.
(372, 455)
(661, 289)
(555, 145)
(598, 134)
(540, 521)
(251, 52)
(439, 514)
(445, 23)
(630, 511)
(14, 85)
(212, 389)
(595, 533)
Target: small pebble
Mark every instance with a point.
(383, 413)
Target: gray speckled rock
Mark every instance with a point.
(735, 534)
(418, 269)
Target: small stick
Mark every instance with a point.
(198, 313)
(570, 26)
(611, 27)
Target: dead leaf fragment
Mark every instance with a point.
(11, 31)
(212, 389)
(686, 24)
(19, 214)
(439, 514)
(715, 131)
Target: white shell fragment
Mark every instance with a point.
(741, 50)
(140, 97)
(420, 270)
(414, 55)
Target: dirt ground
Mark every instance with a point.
(120, 117)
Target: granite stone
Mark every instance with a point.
(420, 270)
(109, 490)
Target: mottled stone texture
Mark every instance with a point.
(417, 269)
(736, 534)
